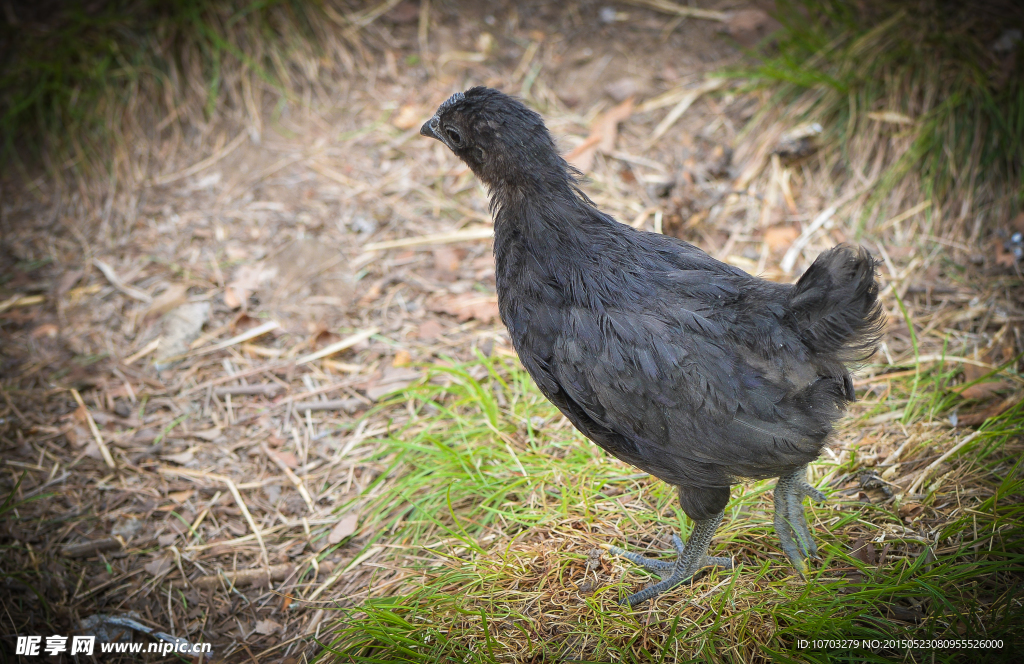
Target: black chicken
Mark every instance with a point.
(679, 364)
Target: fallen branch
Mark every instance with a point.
(240, 578)
(92, 547)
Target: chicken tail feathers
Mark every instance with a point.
(835, 303)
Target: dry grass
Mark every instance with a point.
(463, 509)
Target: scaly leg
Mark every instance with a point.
(790, 521)
(690, 559)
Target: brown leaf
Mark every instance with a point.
(180, 496)
(158, 566)
(429, 330)
(402, 358)
(394, 379)
(407, 117)
(864, 550)
(45, 330)
(166, 539)
(603, 133)
(345, 527)
(288, 459)
(984, 390)
(979, 416)
(267, 626)
(749, 26)
(780, 237)
(181, 458)
(466, 306)
(973, 372)
(247, 280)
(209, 435)
(1003, 257)
(172, 297)
(447, 261)
(910, 510)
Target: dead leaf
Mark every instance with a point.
(181, 458)
(172, 297)
(429, 330)
(749, 26)
(863, 550)
(780, 237)
(407, 117)
(180, 496)
(447, 261)
(288, 459)
(247, 280)
(1004, 257)
(345, 527)
(466, 306)
(393, 379)
(166, 539)
(209, 435)
(910, 510)
(159, 566)
(46, 330)
(402, 358)
(179, 328)
(973, 372)
(977, 417)
(267, 626)
(603, 133)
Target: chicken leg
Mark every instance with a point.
(690, 559)
(790, 521)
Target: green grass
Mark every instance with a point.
(494, 556)
(914, 87)
(71, 78)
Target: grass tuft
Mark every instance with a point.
(77, 75)
(494, 505)
(911, 95)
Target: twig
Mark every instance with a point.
(104, 450)
(347, 342)
(681, 10)
(86, 549)
(205, 163)
(146, 350)
(438, 238)
(347, 405)
(239, 578)
(21, 301)
(14, 409)
(935, 464)
(116, 282)
(292, 477)
(268, 389)
(333, 578)
(805, 238)
(684, 103)
(237, 339)
(248, 517)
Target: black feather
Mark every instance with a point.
(670, 360)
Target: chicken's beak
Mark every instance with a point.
(427, 130)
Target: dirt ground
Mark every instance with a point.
(164, 401)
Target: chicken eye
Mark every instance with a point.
(454, 136)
